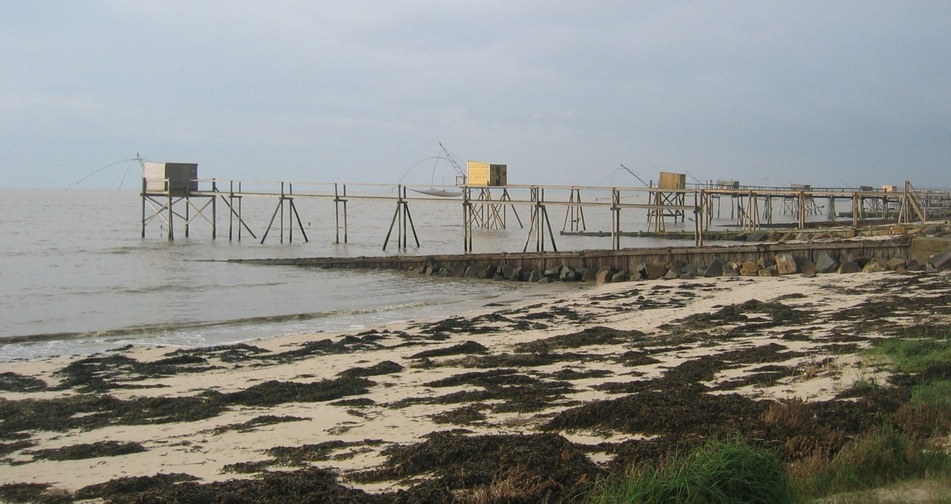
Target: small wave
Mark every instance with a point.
(186, 326)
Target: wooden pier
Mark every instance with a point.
(179, 203)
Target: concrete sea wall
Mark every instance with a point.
(768, 258)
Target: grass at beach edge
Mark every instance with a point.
(906, 459)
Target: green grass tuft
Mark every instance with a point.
(718, 472)
(917, 349)
(875, 459)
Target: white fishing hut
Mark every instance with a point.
(175, 178)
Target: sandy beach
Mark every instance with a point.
(551, 392)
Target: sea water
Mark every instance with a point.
(77, 277)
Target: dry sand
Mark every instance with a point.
(407, 395)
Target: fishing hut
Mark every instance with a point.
(488, 211)
(668, 199)
(168, 190)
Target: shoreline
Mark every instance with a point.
(527, 368)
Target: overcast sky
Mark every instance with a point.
(822, 93)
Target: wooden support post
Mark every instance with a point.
(802, 210)
(403, 220)
(506, 197)
(466, 220)
(540, 222)
(143, 207)
(856, 208)
(574, 213)
(615, 219)
(230, 203)
(171, 230)
(294, 214)
(699, 206)
(214, 210)
(338, 201)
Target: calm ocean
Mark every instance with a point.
(76, 277)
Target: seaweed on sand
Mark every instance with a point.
(90, 412)
(238, 352)
(100, 373)
(568, 373)
(493, 378)
(302, 486)
(516, 360)
(347, 344)
(32, 492)
(683, 414)
(87, 451)
(469, 347)
(459, 461)
(464, 415)
(304, 454)
(55, 414)
(155, 410)
(382, 368)
(131, 485)
(457, 325)
(690, 374)
(13, 382)
(763, 377)
(8, 448)
(258, 421)
(271, 393)
(515, 392)
(598, 335)
(748, 316)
